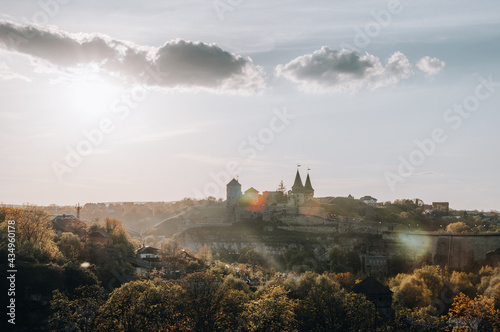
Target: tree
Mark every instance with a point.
(345, 280)
(170, 246)
(418, 321)
(205, 254)
(353, 261)
(76, 311)
(273, 311)
(338, 260)
(457, 227)
(34, 234)
(145, 306)
(324, 306)
(71, 247)
(252, 257)
(475, 314)
(203, 299)
(413, 292)
(236, 294)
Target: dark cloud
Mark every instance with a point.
(327, 70)
(177, 64)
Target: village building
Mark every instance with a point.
(369, 200)
(101, 237)
(67, 223)
(378, 294)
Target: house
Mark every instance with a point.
(377, 264)
(493, 257)
(148, 252)
(254, 282)
(67, 223)
(378, 294)
(369, 200)
(185, 256)
(251, 195)
(101, 237)
(141, 266)
(441, 206)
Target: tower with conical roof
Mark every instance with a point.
(297, 184)
(300, 192)
(308, 189)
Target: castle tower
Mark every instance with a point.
(297, 187)
(308, 189)
(300, 193)
(233, 194)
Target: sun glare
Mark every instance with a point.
(88, 100)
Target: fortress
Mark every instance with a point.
(295, 201)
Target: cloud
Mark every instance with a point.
(344, 71)
(430, 66)
(6, 73)
(178, 64)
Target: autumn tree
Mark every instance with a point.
(145, 305)
(346, 280)
(343, 261)
(252, 257)
(71, 247)
(413, 292)
(170, 246)
(273, 311)
(235, 294)
(34, 234)
(324, 306)
(475, 314)
(457, 227)
(205, 254)
(203, 298)
(76, 311)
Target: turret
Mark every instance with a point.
(233, 193)
(297, 185)
(308, 189)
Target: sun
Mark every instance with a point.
(90, 99)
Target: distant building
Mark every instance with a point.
(300, 193)
(440, 206)
(380, 295)
(67, 223)
(377, 264)
(101, 237)
(493, 258)
(251, 204)
(185, 256)
(148, 252)
(369, 200)
(251, 195)
(233, 193)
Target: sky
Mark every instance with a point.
(161, 100)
